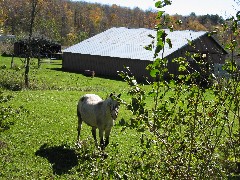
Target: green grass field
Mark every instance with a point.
(41, 142)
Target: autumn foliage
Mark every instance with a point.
(69, 22)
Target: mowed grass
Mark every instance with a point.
(41, 142)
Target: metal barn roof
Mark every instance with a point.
(129, 43)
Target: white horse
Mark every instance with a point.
(98, 113)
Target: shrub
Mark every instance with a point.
(11, 79)
(197, 129)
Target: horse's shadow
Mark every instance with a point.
(61, 157)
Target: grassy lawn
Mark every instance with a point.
(41, 143)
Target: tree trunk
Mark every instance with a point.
(39, 60)
(12, 61)
(29, 53)
(27, 72)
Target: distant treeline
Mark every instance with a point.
(69, 22)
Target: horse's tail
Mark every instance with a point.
(78, 111)
(79, 106)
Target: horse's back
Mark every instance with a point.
(88, 102)
(90, 99)
(87, 107)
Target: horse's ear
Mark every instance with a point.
(119, 96)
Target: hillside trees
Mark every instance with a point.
(13, 16)
(48, 22)
(69, 22)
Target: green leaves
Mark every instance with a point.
(161, 4)
(169, 42)
(238, 15)
(158, 68)
(179, 22)
(149, 47)
(151, 36)
(190, 43)
(232, 45)
(154, 72)
(161, 35)
(230, 66)
(158, 4)
(159, 14)
(188, 121)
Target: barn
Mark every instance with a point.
(112, 50)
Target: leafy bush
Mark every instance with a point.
(3, 67)
(197, 129)
(11, 79)
(6, 47)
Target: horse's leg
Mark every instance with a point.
(79, 126)
(107, 134)
(94, 135)
(101, 139)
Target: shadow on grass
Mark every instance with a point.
(61, 157)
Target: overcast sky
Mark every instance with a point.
(224, 8)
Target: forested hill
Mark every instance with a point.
(69, 22)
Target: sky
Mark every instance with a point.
(224, 8)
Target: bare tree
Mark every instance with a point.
(34, 4)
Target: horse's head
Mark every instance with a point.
(114, 104)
